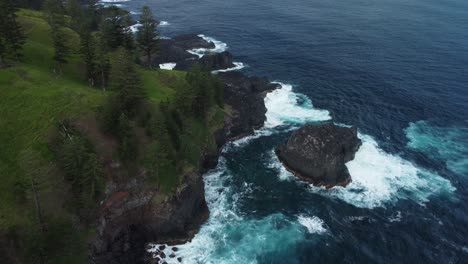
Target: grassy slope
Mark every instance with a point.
(32, 99)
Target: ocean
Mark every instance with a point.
(395, 69)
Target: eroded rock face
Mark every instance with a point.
(317, 153)
(128, 220)
(245, 96)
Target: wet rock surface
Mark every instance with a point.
(317, 153)
(176, 50)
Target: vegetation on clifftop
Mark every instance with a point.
(57, 154)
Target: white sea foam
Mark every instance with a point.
(275, 163)
(167, 66)
(229, 237)
(114, 1)
(379, 178)
(313, 224)
(287, 107)
(219, 47)
(164, 23)
(237, 66)
(135, 27)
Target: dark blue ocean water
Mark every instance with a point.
(396, 69)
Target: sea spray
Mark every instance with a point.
(379, 178)
(285, 107)
(230, 237)
(219, 47)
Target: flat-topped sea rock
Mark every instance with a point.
(317, 153)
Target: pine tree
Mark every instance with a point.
(126, 81)
(128, 41)
(60, 47)
(74, 10)
(200, 86)
(147, 37)
(116, 31)
(53, 10)
(128, 148)
(11, 34)
(102, 61)
(87, 50)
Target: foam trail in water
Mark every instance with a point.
(228, 237)
(219, 47)
(379, 178)
(114, 1)
(449, 144)
(237, 66)
(167, 66)
(164, 24)
(287, 107)
(275, 163)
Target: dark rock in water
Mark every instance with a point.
(215, 61)
(175, 50)
(175, 249)
(317, 153)
(192, 41)
(179, 259)
(211, 61)
(245, 95)
(172, 255)
(162, 255)
(162, 247)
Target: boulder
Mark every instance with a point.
(317, 153)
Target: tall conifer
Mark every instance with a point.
(147, 37)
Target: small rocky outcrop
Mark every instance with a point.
(317, 153)
(210, 61)
(245, 97)
(192, 41)
(176, 50)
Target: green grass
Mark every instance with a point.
(32, 99)
(161, 85)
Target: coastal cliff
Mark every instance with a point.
(136, 214)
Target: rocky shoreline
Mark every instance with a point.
(130, 219)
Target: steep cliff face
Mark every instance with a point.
(245, 95)
(317, 153)
(129, 219)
